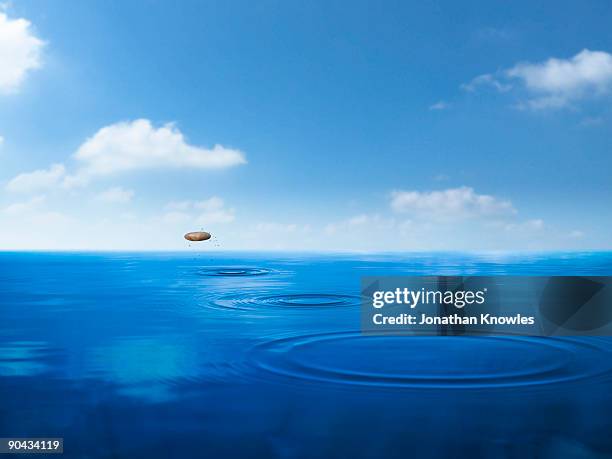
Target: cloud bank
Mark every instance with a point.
(445, 219)
(450, 204)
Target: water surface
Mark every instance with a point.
(260, 356)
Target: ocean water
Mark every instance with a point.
(213, 355)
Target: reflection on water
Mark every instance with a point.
(168, 355)
(23, 358)
(144, 367)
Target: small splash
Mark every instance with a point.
(233, 271)
(353, 359)
(295, 301)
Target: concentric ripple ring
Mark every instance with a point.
(350, 358)
(233, 271)
(287, 301)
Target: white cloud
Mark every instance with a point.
(554, 83)
(174, 217)
(528, 226)
(37, 180)
(179, 205)
(216, 216)
(576, 234)
(1, 140)
(210, 204)
(359, 220)
(20, 52)
(21, 223)
(116, 195)
(486, 80)
(128, 146)
(450, 204)
(274, 227)
(25, 207)
(587, 70)
(214, 211)
(207, 211)
(138, 145)
(359, 224)
(440, 105)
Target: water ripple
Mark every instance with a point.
(233, 271)
(245, 302)
(349, 358)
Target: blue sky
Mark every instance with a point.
(340, 126)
